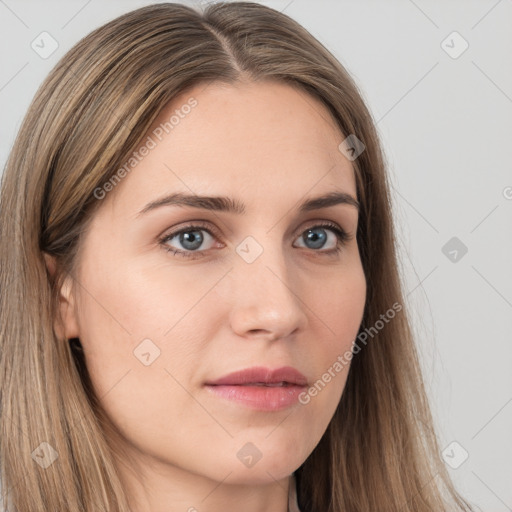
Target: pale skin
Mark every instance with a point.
(270, 147)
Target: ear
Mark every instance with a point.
(66, 326)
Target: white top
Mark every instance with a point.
(293, 506)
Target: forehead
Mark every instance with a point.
(263, 141)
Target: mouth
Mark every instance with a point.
(260, 388)
(262, 376)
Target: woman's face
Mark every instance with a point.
(244, 289)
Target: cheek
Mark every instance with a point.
(138, 298)
(143, 329)
(141, 375)
(339, 307)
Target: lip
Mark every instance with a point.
(262, 375)
(261, 388)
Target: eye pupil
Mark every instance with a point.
(191, 240)
(318, 239)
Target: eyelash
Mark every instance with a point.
(342, 238)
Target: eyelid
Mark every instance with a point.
(207, 226)
(215, 231)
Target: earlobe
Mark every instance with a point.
(67, 308)
(66, 326)
(50, 263)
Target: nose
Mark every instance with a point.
(266, 298)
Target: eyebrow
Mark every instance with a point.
(227, 204)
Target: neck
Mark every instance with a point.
(160, 487)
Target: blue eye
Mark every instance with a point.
(317, 237)
(191, 238)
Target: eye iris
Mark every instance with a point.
(317, 239)
(191, 239)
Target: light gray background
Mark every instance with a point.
(446, 126)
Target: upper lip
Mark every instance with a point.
(261, 375)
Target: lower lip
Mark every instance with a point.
(263, 398)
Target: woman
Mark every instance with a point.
(200, 303)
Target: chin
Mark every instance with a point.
(263, 463)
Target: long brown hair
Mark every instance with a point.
(379, 451)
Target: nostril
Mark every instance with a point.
(263, 333)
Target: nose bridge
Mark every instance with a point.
(265, 296)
